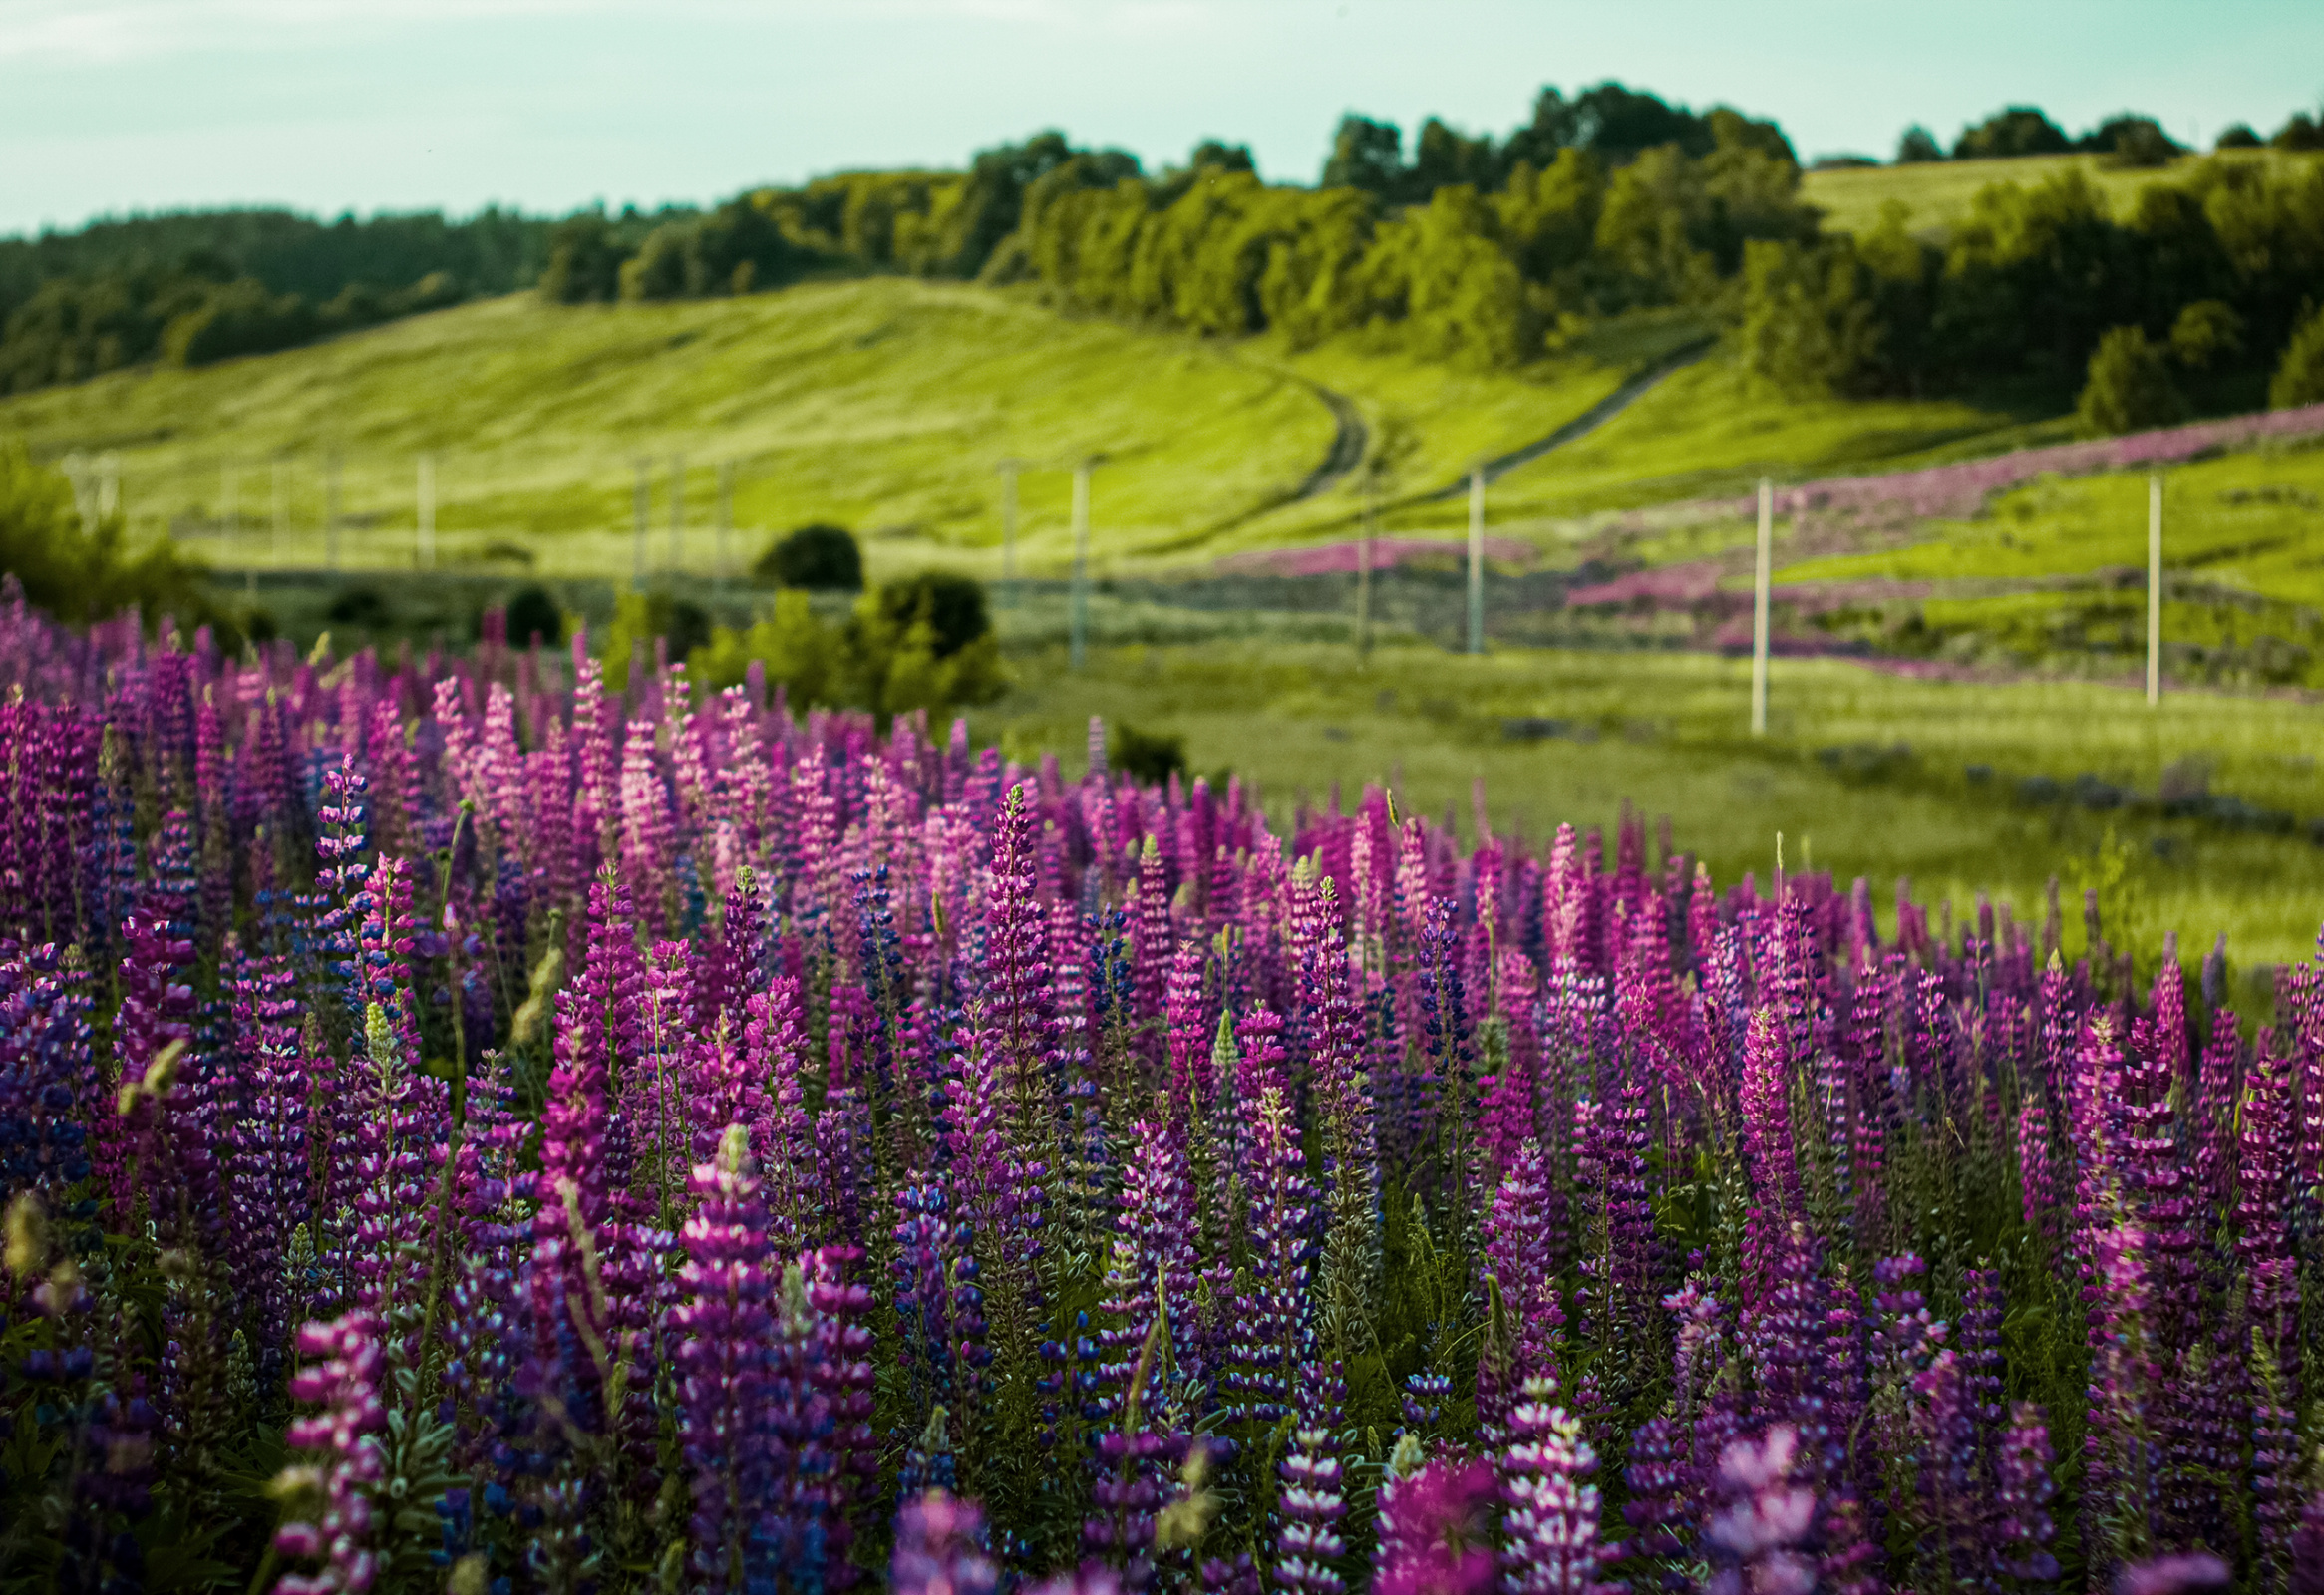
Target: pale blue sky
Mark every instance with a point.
(113, 104)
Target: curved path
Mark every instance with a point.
(1580, 425)
(1348, 445)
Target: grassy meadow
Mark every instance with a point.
(1863, 772)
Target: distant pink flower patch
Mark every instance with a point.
(1340, 559)
(1668, 587)
(1946, 492)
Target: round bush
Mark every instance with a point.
(953, 604)
(2130, 387)
(819, 558)
(533, 613)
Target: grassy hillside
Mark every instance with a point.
(1938, 192)
(883, 403)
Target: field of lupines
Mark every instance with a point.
(461, 1128)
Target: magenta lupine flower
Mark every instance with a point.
(939, 1548)
(2183, 1574)
(1434, 1531)
(1760, 1530)
(1551, 1523)
(342, 1379)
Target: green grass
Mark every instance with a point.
(881, 404)
(1706, 432)
(1938, 194)
(1669, 734)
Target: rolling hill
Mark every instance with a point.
(887, 404)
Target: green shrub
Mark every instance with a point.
(80, 574)
(952, 605)
(2130, 387)
(891, 656)
(818, 558)
(2299, 376)
(534, 612)
(1152, 757)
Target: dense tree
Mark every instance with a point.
(2237, 136)
(2130, 140)
(1918, 145)
(2130, 387)
(1365, 155)
(2301, 131)
(2299, 375)
(2018, 131)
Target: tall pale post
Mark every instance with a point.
(676, 514)
(230, 528)
(1476, 560)
(726, 516)
(1009, 470)
(331, 511)
(644, 507)
(426, 511)
(1364, 577)
(1758, 608)
(108, 486)
(1080, 648)
(281, 507)
(2154, 591)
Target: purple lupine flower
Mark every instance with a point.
(1664, 1504)
(1309, 1549)
(1551, 1523)
(2021, 1529)
(939, 1548)
(342, 1378)
(1518, 1246)
(723, 1330)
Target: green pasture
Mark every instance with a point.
(1862, 773)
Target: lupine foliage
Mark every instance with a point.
(464, 1126)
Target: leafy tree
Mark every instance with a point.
(2237, 136)
(1214, 155)
(2130, 140)
(2206, 333)
(240, 318)
(1811, 322)
(2018, 131)
(1443, 157)
(1916, 146)
(992, 201)
(586, 258)
(1365, 155)
(816, 558)
(2301, 131)
(2130, 387)
(2299, 375)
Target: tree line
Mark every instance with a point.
(195, 286)
(2204, 288)
(1470, 247)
